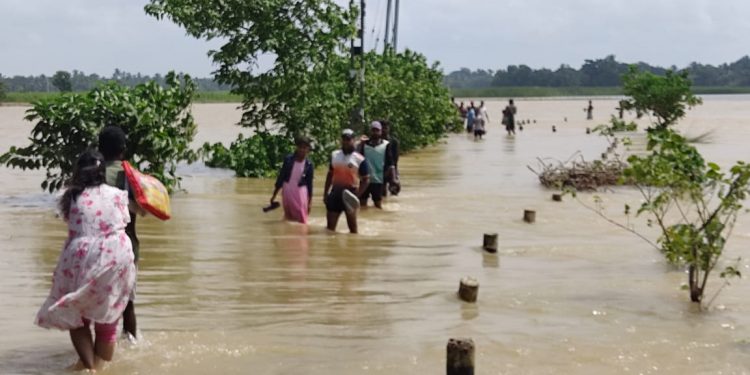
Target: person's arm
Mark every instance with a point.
(279, 181)
(388, 166)
(310, 177)
(329, 179)
(364, 178)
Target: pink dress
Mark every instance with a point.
(295, 197)
(95, 272)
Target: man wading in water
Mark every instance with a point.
(112, 144)
(379, 157)
(347, 166)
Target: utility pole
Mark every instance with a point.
(395, 26)
(358, 75)
(386, 42)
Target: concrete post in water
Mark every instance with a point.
(604, 156)
(468, 289)
(529, 216)
(554, 129)
(557, 197)
(490, 242)
(460, 357)
(588, 130)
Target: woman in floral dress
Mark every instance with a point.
(95, 272)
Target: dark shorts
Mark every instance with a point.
(374, 190)
(478, 132)
(335, 199)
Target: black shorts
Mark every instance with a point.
(374, 190)
(478, 132)
(335, 199)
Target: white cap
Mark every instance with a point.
(349, 133)
(376, 125)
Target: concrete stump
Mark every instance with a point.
(468, 289)
(529, 216)
(489, 242)
(460, 357)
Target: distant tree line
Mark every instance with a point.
(604, 72)
(79, 81)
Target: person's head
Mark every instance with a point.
(471, 104)
(376, 130)
(510, 101)
(386, 131)
(88, 172)
(453, 99)
(481, 104)
(304, 144)
(347, 141)
(462, 104)
(112, 143)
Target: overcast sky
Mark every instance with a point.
(97, 36)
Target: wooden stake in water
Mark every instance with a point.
(460, 357)
(529, 216)
(490, 242)
(468, 289)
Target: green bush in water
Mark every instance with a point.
(156, 120)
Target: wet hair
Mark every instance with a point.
(88, 172)
(510, 101)
(112, 142)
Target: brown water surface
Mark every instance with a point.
(224, 288)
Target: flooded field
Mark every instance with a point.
(224, 288)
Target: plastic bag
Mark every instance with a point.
(149, 192)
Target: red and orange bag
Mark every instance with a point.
(149, 192)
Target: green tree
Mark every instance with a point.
(667, 97)
(692, 202)
(2, 88)
(156, 120)
(307, 90)
(61, 80)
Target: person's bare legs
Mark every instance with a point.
(129, 323)
(104, 349)
(333, 220)
(378, 204)
(351, 221)
(84, 345)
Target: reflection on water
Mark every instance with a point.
(223, 286)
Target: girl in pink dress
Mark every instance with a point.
(95, 272)
(295, 182)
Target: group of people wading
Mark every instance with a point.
(357, 172)
(476, 118)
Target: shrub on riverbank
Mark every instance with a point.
(156, 119)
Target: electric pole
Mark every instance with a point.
(395, 27)
(386, 42)
(358, 75)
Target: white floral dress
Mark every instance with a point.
(95, 272)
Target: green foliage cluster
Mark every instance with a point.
(675, 181)
(667, 97)
(156, 119)
(616, 125)
(61, 80)
(308, 90)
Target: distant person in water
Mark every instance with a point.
(509, 117)
(95, 272)
(484, 113)
(113, 144)
(470, 116)
(479, 126)
(348, 171)
(379, 158)
(589, 111)
(295, 181)
(393, 182)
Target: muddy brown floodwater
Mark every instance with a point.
(224, 288)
